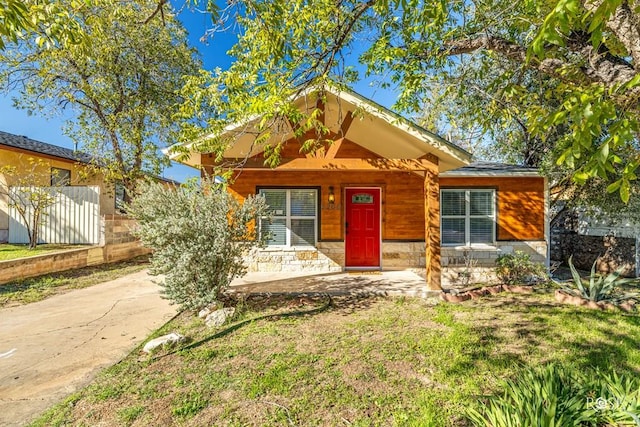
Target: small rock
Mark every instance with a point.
(165, 340)
(218, 317)
(204, 312)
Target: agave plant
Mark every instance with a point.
(598, 287)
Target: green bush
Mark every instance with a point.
(558, 396)
(518, 268)
(199, 235)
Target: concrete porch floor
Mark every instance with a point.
(397, 283)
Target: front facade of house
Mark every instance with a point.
(371, 198)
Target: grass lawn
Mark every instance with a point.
(356, 362)
(8, 251)
(38, 288)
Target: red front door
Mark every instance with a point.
(362, 227)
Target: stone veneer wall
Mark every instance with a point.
(117, 245)
(329, 257)
(481, 260)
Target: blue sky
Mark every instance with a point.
(213, 54)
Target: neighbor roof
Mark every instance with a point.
(491, 169)
(23, 143)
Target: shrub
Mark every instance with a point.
(597, 287)
(558, 396)
(198, 235)
(518, 268)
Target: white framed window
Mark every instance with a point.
(468, 217)
(294, 216)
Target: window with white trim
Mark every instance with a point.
(468, 217)
(294, 216)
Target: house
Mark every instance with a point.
(48, 165)
(383, 194)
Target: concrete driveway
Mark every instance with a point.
(54, 347)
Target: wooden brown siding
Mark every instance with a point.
(402, 197)
(521, 205)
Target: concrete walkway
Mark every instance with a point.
(54, 347)
(404, 282)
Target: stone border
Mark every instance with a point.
(567, 298)
(481, 292)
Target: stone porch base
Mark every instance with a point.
(458, 263)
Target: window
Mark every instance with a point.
(60, 177)
(468, 216)
(293, 217)
(119, 196)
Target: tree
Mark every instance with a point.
(27, 195)
(123, 83)
(585, 51)
(199, 247)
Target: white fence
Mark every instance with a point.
(74, 218)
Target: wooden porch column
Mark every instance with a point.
(432, 228)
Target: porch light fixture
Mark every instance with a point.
(332, 197)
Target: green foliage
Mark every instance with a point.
(558, 396)
(524, 73)
(122, 83)
(189, 405)
(50, 22)
(199, 235)
(597, 287)
(518, 268)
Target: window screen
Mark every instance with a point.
(294, 217)
(468, 217)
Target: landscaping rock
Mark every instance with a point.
(627, 306)
(478, 293)
(518, 289)
(164, 341)
(204, 312)
(219, 317)
(494, 289)
(445, 296)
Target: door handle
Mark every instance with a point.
(346, 228)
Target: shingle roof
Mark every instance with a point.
(492, 168)
(28, 144)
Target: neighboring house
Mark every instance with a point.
(46, 165)
(373, 197)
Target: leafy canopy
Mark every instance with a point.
(584, 54)
(122, 84)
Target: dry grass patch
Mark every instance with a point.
(356, 362)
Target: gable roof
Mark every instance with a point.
(374, 127)
(28, 144)
(492, 169)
